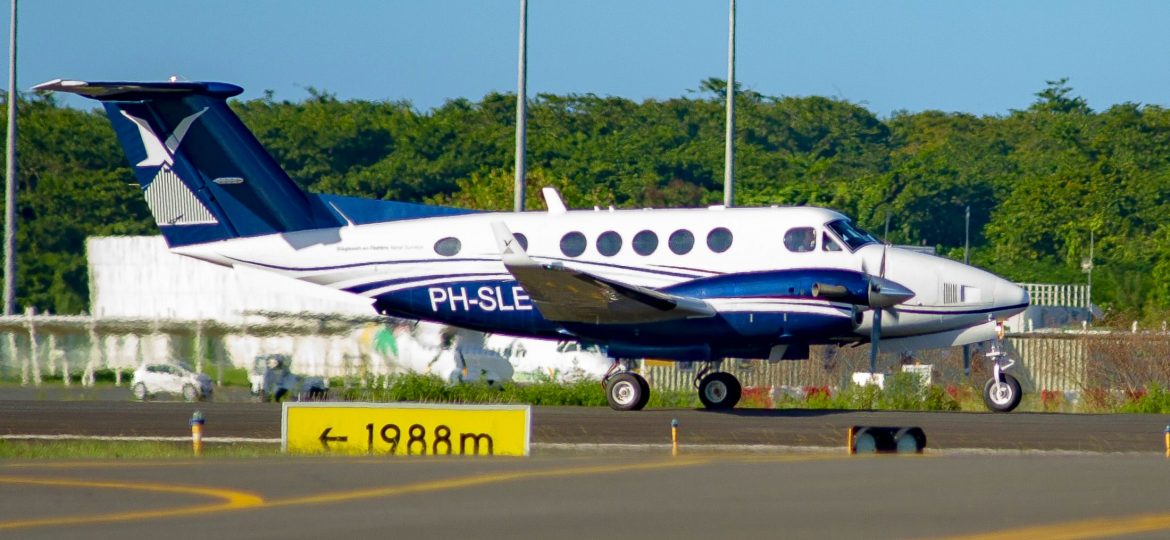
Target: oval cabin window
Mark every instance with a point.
(448, 247)
(573, 244)
(681, 241)
(645, 242)
(609, 243)
(719, 240)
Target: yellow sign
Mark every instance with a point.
(406, 429)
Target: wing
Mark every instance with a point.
(570, 295)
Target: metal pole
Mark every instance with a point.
(10, 177)
(967, 260)
(967, 237)
(729, 143)
(1089, 316)
(521, 110)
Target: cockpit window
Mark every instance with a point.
(828, 244)
(800, 239)
(853, 236)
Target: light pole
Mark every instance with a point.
(521, 110)
(967, 260)
(10, 177)
(729, 142)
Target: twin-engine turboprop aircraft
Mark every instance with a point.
(694, 284)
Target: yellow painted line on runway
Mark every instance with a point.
(119, 464)
(480, 480)
(231, 500)
(1076, 530)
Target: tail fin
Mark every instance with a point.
(205, 176)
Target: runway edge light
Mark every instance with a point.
(886, 440)
(197, 433)
(674, 436)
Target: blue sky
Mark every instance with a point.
(982, 57)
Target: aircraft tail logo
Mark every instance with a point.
(171, 202)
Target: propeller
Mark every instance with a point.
(882, 294)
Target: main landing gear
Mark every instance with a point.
(717, 390)
(1002, 392)
(625, 390)
(629, 391)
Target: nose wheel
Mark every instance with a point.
(1002, 395)
(1002, 392)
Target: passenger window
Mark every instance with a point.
(522, 239)
(448, 247)
(609, 243)
(800, 239)
(719, 239)
(681, 241)
(573, 244)
(827, 243)
(645, 242)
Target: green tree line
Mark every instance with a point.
(1039, 181)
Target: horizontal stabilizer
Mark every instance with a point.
(570, 295)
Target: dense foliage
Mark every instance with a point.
(1039, 181)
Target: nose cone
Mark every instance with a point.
(884, 293)
(1010, 298)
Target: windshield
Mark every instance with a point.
(853, 236)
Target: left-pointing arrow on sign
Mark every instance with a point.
(326, 439)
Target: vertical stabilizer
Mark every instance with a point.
(204, 175)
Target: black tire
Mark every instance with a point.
(1002, 397)
(719, 391)
(627, 392)
(139, 392)
(190, 393)
(645, 392)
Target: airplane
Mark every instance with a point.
(679, 284)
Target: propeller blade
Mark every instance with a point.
(875, 337)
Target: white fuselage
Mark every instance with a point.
(381, 259)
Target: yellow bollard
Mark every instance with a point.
(197, 433)
(1167, 441)
(849, 442)
(674, 437)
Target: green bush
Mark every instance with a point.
(1153, 400)
(903, 392)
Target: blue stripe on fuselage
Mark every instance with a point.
(504, 307)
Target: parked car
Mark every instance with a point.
(163, 378)
(272, 379)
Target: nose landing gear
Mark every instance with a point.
(1002, 392)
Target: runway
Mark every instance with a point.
(984, 476)
(585, 426)
(690, 496)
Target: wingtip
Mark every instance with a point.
(511, 251)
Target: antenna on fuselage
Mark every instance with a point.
(552, 199)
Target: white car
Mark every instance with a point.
(158, 378)
(547, 360)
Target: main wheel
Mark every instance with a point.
(139, 392)
(719, 391)
(189, 393)
(627, 392)
(1002, 396)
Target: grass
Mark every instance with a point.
(902, 392)
(432, 389)
(39, 449)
